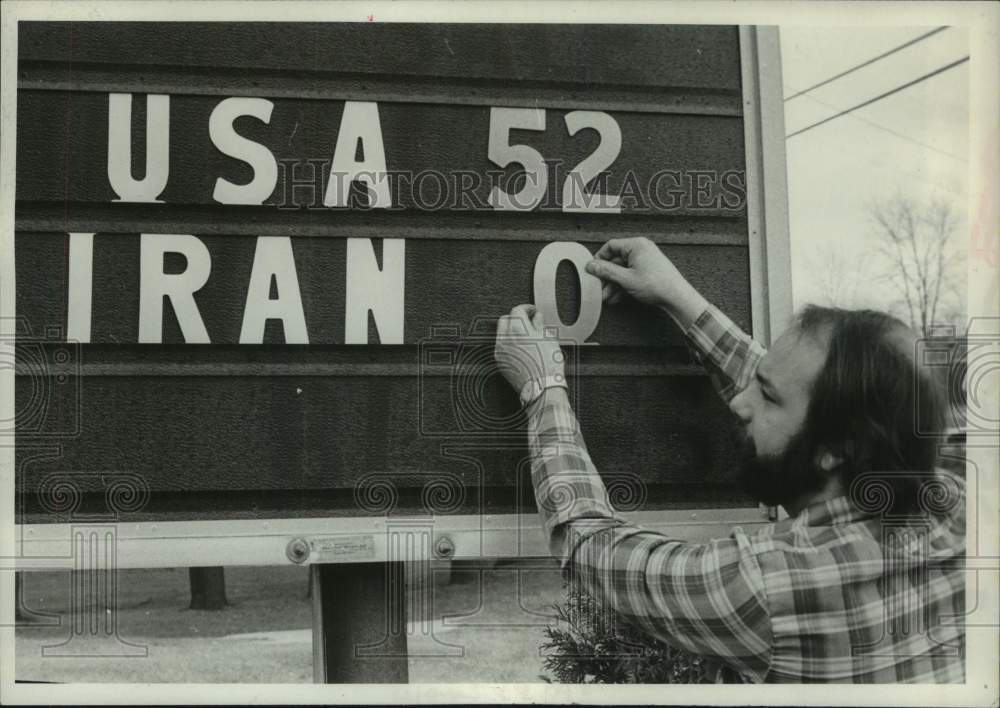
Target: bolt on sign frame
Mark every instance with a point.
(229, 358)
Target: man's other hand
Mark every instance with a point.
(523, 351)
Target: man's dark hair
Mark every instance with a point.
(871, 404)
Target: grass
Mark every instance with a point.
(483, 626)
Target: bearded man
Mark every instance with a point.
(862, 582)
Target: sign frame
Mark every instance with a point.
(278, 541)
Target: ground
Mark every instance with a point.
(482, 626)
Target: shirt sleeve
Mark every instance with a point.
(728, 353)
(704, 598)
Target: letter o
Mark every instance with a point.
(545, 290)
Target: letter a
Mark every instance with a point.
(359, 122)
(273, 259)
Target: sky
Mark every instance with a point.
(914, 143)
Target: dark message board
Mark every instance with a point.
(259, 265)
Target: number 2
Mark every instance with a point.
(574, 198)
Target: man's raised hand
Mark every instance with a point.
(638, 267)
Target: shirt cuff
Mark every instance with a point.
(708, 329)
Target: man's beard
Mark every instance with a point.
(783, 478)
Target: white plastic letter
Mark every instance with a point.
(273, 258)
(180, 288)
(231, 143)
(359, 122)
(546, 266)
(502, 153)
(575, 199)
(81, 284)
(152, 184)
(380, 291)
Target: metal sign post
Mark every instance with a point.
(359, 623)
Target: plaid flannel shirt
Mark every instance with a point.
(834, 594)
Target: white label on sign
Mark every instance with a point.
(332, 548)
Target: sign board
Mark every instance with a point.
(259, 267)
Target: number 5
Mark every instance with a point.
(502, 153)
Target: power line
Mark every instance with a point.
(886, 129)
(870, 61)
(880, 96)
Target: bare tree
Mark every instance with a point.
(923, 263)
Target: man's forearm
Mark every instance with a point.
(683, 303)
(567, 486)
